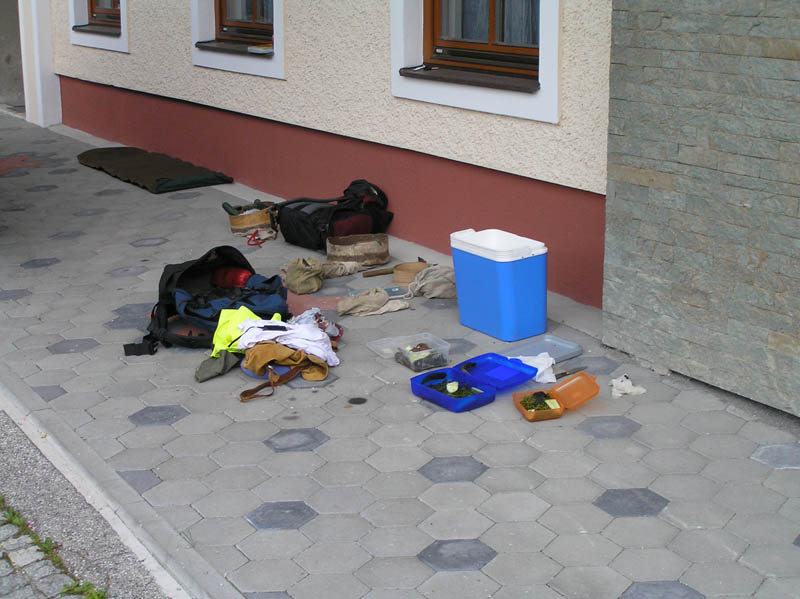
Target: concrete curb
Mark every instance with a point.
(177, 568)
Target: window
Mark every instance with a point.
(495, 36)
(241, 36)
(243, 27)
(104, 12)
(408, 58)
(99, 24)
(245, 20)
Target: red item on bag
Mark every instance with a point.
(230, 277)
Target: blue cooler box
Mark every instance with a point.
(501, 280)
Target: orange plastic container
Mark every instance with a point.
(534, 415)
(570, 394)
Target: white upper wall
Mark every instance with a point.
(337, 74)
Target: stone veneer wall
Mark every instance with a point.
(702, 254)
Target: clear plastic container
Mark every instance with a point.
(419, 352)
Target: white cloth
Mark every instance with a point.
(623, 385)
(543, 364)
(307, 337)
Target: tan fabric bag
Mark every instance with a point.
(304, 275)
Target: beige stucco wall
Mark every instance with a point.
(338, 80)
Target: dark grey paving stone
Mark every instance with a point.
(268, 595)
(297, 439)
(460, 346)
(72, 346)
(68, 235)
(438, 303)
(16, 173)
(63, 171)
(3, 228)
(128, 322)
(13, 294)
(36, 188)
(152, 415)
(140, 480)
(609, 427)
(149, 242)
(453, 469)
(797, 541)
(17, 208)
(49, 392)
(301, 383)
(668, 589)
(90, 212)
(185, 195)
(778, 456)
(628, 503)
(109, 192)
(40, 262)
(127, 271)
(134, 309)
(281, 515)
(457, 555)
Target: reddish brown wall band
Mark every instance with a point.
(431, 197)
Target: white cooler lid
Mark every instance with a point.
(496, 245)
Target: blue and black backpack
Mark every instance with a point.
(187, 290)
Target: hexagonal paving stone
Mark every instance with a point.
(655, 563)
(297, 439)
(301, 383)
(140, 480)
(397, 512)
(453, 469)
(779, 456)
(456, 555)
(395, 541)
(335, 557)
(631, 502)
(153, 415)
(400, 434)
(609, 427)
(127, 271)
(460, 346)
(281, 515)
(668, 589)
(590, 582)
(40, 262)
(513, 507)
(90, 212)
(13, 294)
(49, 392)
(68, 235)
(72, 346)
(582, 550)
(149, 242)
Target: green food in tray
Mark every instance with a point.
(537, 401)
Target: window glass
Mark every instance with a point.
(242, 11)
(465, 20)
(111, 4)
(517, 22)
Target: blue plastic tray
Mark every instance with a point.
(493, 370)
(277, 368)
(454, 404)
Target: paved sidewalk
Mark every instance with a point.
(685, 491)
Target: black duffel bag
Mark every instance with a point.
(308, 222)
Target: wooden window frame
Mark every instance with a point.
(489, 57)
(110, 16)
(236, 31)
